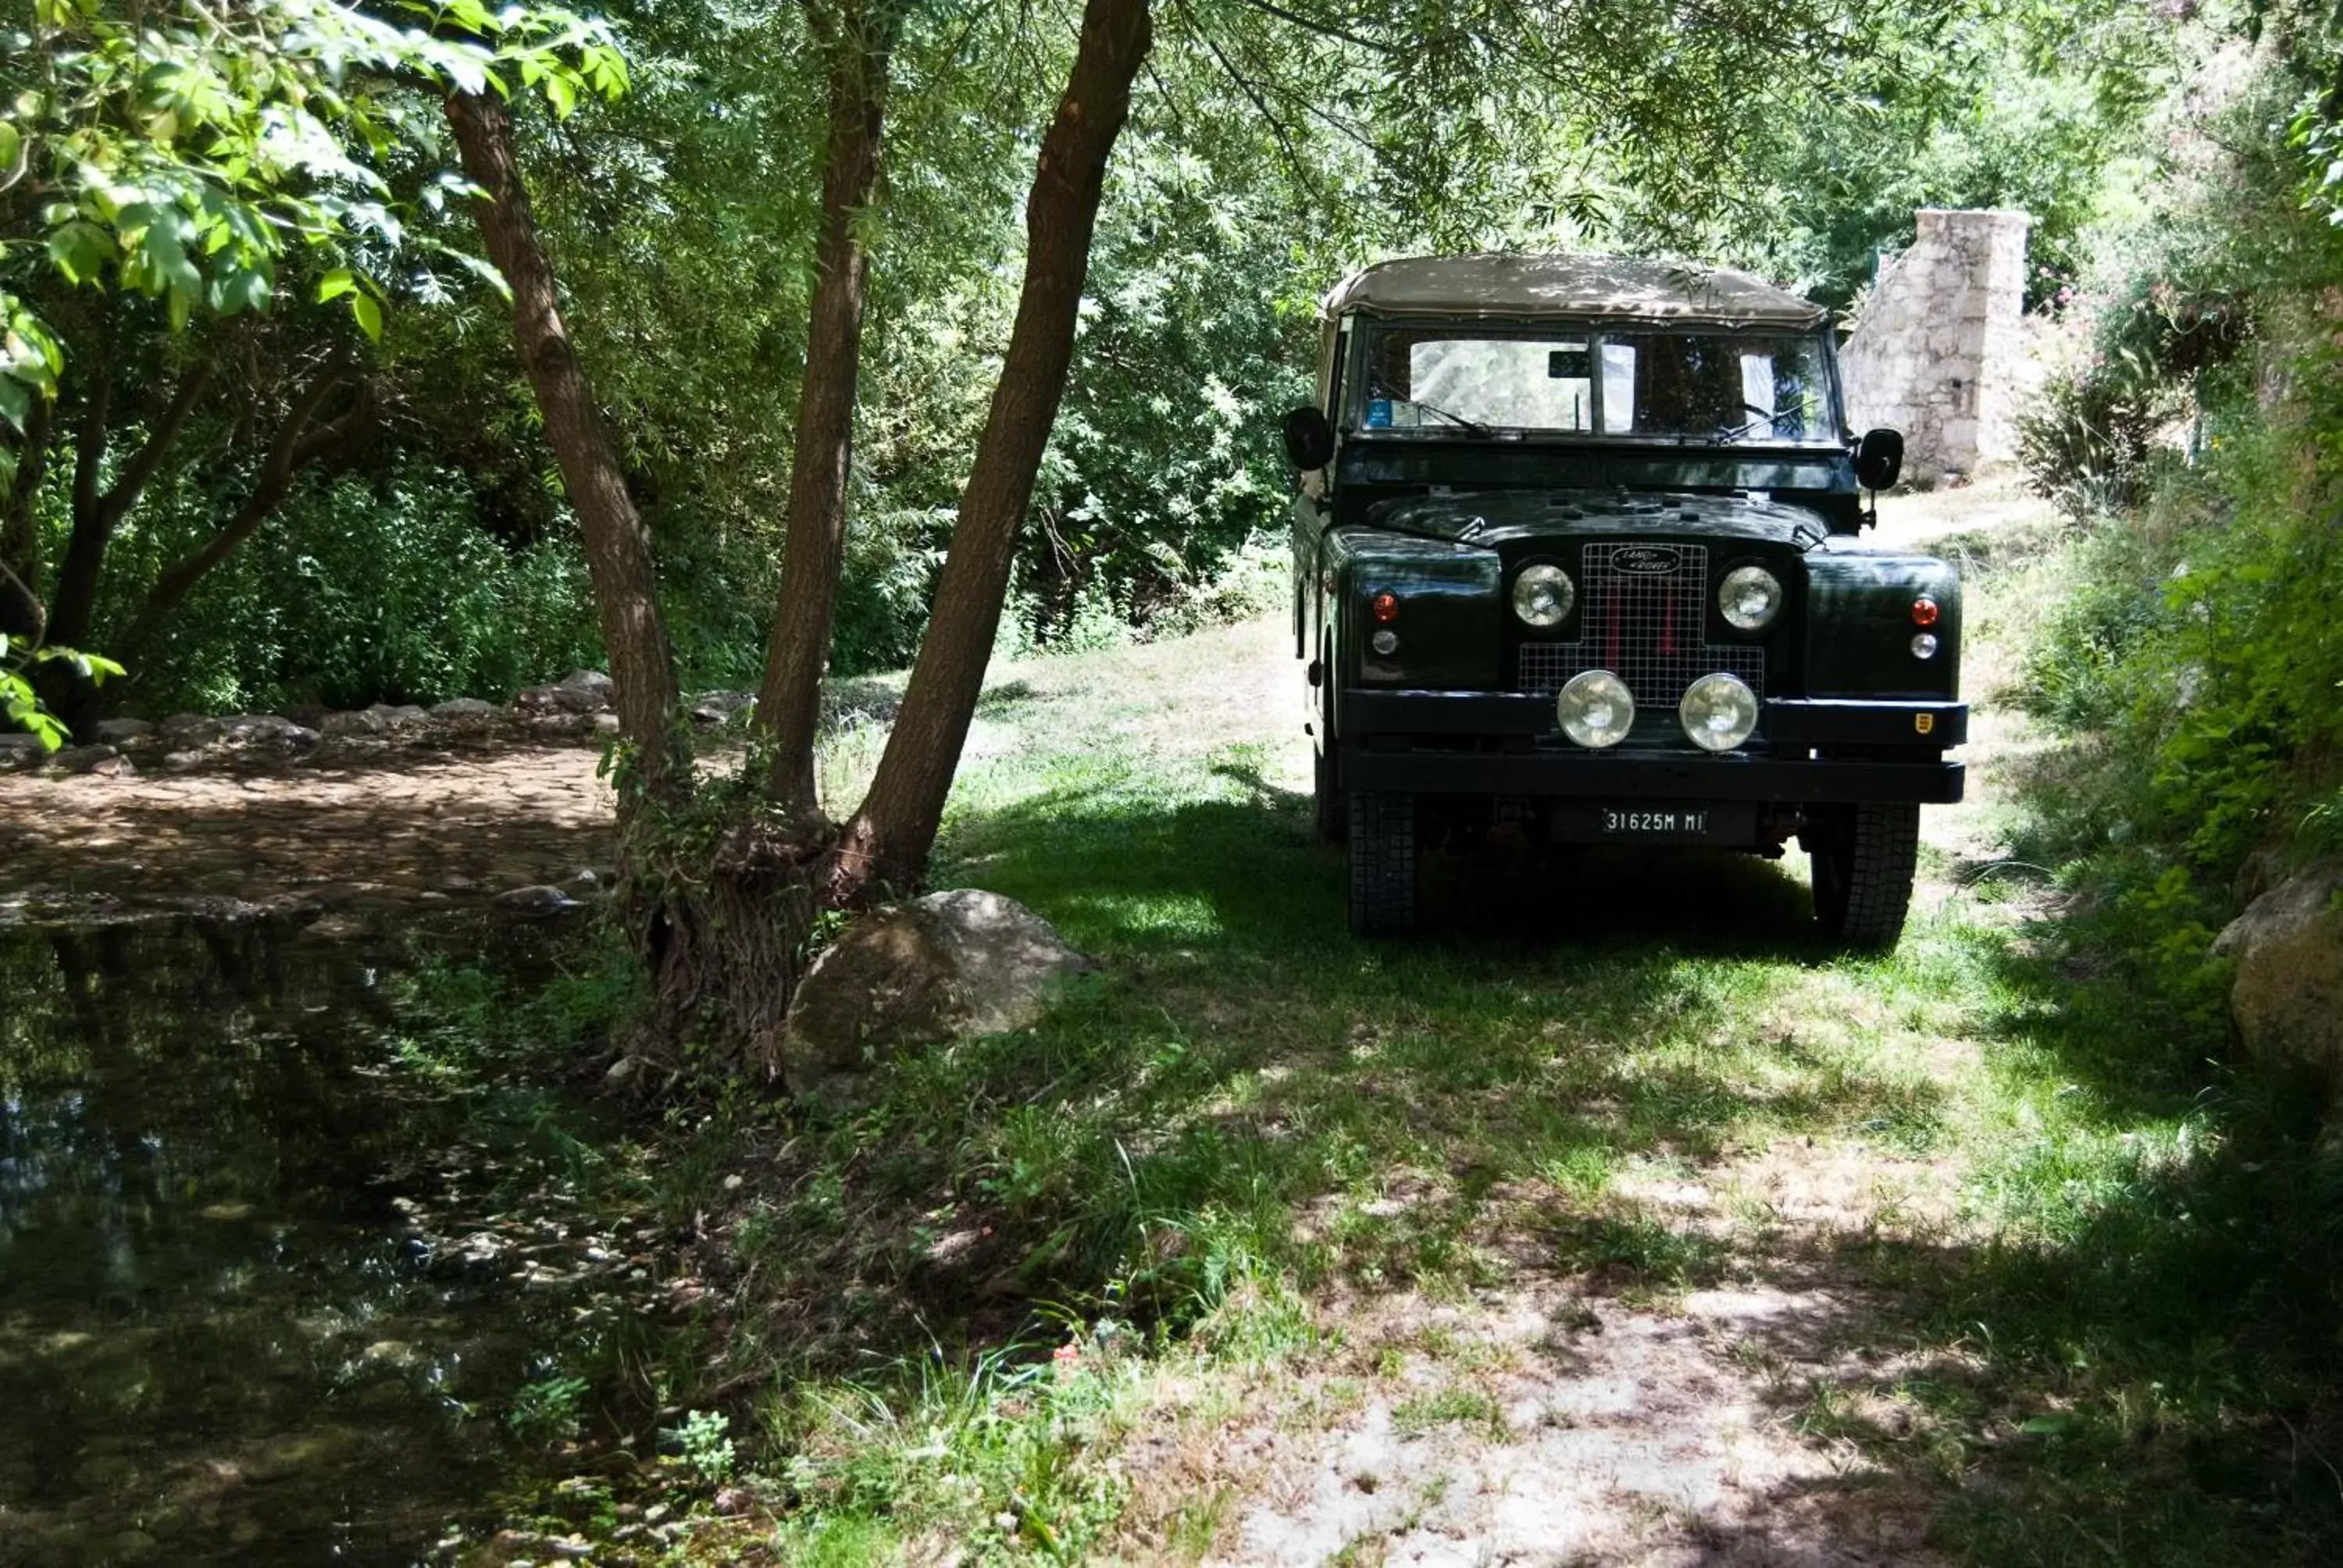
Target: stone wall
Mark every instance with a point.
(1940, 352)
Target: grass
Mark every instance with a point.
(2097, 1280)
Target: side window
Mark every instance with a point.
(1329, 396)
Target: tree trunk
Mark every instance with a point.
(887, 843)
(21, 613)
(721, 924)
(95, 514)
(618, 545)
(788, 703)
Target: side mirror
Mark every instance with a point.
(1878, 459)
(1309, 439)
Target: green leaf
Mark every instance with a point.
(336, 284)
(368, 313)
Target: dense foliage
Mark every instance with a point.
(2195, 440)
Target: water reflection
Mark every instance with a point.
(219, 1341)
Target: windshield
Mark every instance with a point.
(1755, 388)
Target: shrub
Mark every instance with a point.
(359, 590)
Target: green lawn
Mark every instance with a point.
(2085, 1267)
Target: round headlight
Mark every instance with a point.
(1543, 596)
(1718, 712)
(1596, 708)
(1750, 597)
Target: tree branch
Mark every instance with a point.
(294, 446)
(124, 493)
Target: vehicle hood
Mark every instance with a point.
(1503, 517)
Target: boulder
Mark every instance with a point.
(466, 710)
(356, 724)
(308, 715)
(124, 731)
(21, 751)
(399, 716)
(963, 962)
(582, 691)
(2288, 997)
(190, 731)
(83, 758)
(711, 708)
(259, 730)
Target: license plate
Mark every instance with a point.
(1652, 821)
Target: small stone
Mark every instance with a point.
(539, 898)
(183, 761)
(124, 731)
(21, 751)
(605, 724)
(583, 884)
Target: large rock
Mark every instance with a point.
(951, 964)
(267, 729)
(2287, 1000)
(124, 731)
(579, 691)
(190, 731)
(18, 753)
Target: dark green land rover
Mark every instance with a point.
(1578, 557)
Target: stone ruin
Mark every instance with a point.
(1940, 353)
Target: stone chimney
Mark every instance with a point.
(1939, 353)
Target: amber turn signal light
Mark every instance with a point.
(1385, 606)
(1923, 612)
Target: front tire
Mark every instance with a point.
(1862, 859)
(1382, 863)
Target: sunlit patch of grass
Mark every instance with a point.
(1453, 1404)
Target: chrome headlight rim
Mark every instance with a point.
(1728, 598)
(1551, 577)
(1587, 688)
(1701, 730)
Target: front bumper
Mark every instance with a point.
(1405, 741)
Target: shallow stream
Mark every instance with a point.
(228, 1334)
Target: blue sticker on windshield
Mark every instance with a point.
(1378, 413)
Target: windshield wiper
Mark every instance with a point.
(1473, 426)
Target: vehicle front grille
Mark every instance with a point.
(1643, 627)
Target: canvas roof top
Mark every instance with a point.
(1617, 287)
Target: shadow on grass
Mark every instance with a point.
(2139, 1363)
(2138, 1367)
(1250, 1087)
